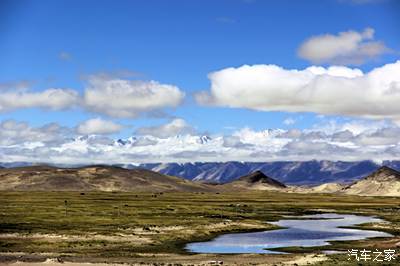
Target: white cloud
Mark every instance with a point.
(98, 126)
(55, 144)
(350, 47)
(289, 121)
(20, 133)
(235, 142)
(105, 94)
(127, 98)
(175, 127)
(330, 91)
(354, 126)
(53, 99)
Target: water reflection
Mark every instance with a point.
(313, 230)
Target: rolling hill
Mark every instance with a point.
(383, 182)
(310, 173)
(100, 178)
(257, 181)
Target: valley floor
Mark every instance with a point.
(46, 228)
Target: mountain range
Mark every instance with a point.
(383, 182)
(311, 173)
(290, 173)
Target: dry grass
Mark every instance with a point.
(153, 227)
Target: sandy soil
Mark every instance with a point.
(195, 260)
(307, 259)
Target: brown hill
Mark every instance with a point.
(258, 181)
(101, 178)
(383, 182)
(327, 188)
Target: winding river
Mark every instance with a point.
(308, 231)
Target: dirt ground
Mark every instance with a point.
(201, 259)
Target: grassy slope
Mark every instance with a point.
(116, 225)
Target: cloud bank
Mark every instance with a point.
(350, 141)
(336, 90)
(106, 95)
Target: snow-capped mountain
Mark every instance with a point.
(286, 155)
(332, 144)
(291, 173)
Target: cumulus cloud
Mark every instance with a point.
(55, 144)
(332, 91)
(175, 127)
(350, 47)
(383, 136)
(21, 133)
(98, 126)
(105, 94)
(289, 121)
(316, 148)
(53, 99)
(129, 98)
(354, 126)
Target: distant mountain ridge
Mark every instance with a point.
(291, 173)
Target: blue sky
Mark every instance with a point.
(60, 44)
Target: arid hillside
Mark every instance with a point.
(256, 181)
(100, 178)
(384, 182)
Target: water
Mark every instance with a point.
(310, 231)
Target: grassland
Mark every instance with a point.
(153, 228)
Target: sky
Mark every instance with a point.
(213, 80)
